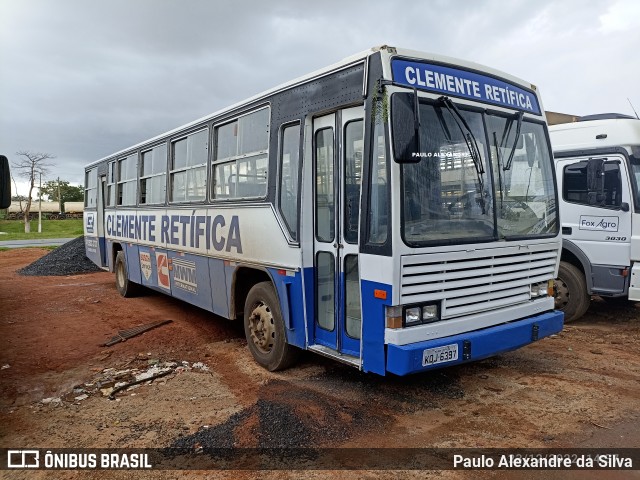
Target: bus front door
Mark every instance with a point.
(337, 165)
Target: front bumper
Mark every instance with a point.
(475, 345)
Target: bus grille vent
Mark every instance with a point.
(471, 282)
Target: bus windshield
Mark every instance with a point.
(451, 196)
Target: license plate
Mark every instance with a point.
(446, 353)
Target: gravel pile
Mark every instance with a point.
(67, 259)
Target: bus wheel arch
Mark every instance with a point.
(264, 329)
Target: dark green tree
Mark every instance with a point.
(69, 193)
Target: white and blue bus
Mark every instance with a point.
(396, 211)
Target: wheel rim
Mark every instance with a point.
(562, 294)
(262, 327)
(120, 275)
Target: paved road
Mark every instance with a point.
(40, 242)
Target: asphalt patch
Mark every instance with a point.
(67, 259)
(288, 416)
(423, 391)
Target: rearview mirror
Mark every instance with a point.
(405, 128)
(5, 182)
(531, 149)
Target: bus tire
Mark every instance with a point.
(125, 287)
(264, 329)
(571, 292)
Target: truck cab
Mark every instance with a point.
(597, 161)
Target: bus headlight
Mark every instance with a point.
(402, 316)
(418, 314)
(542, 289)
(412, 316)
(430, 313)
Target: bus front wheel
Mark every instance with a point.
(264, 329)
(571, 292)
(125, 287)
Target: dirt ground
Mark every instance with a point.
(579, 388)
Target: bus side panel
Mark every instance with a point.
(94, 246)
(133, 262)
(219, 288)
(373, 325)
(94, 243)
(110, 258)
(289, 290)
(190, 279)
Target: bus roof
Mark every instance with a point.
(610, 132)
(386, 50)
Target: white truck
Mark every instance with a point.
(597, 163)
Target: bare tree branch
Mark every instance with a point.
(16, 187)
(30, 165)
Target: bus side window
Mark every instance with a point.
(289, 177)
(127, 180)
(354, 146)
(188, 172)
(240, 163)
(379, 208)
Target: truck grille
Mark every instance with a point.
(477, 280)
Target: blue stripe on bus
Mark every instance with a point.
(220, 294)
(349, 345)
(133, 262)
(289, 290)
(309, 292)
(405, 359)
(190, 279)
(373, 318)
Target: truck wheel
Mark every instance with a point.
(125, 287)
(264, 329)
(571, 292)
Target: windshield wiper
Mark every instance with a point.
(495, 145)
(515, 142)
(472, 145)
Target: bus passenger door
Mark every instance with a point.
(337, 164)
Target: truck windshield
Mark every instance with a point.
(444, 198)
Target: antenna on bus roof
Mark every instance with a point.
(634, 110)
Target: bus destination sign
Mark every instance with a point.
(462, 83)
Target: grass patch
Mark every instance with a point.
(50, 229)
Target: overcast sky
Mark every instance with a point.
(82, 79)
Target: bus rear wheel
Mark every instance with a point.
(571, 292)
(125, 287)
(264, 329)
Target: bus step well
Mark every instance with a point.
(334, 354)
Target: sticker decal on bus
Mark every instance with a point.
(90, 221)
(184, 275)
(145, 264)
(163, 270)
